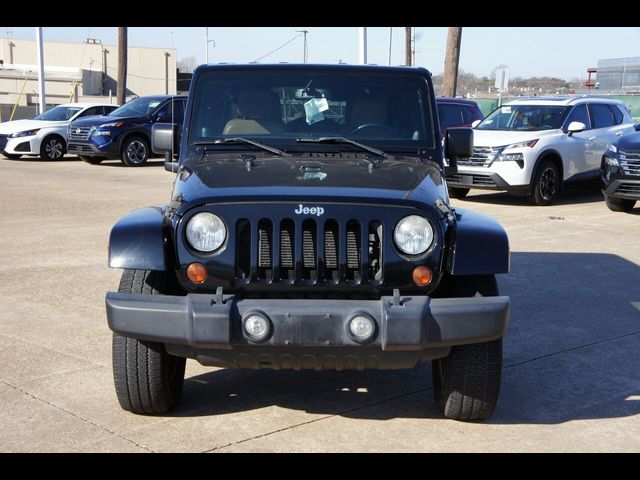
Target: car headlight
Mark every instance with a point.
(112, 124)
(528, 143)
(413, 235)
(206, 232)
(26, 133)
(612, 148)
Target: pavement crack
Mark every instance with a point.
(79, 417)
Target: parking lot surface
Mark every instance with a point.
(571, 378)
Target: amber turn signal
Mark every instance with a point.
(422, 276)
(197, 272)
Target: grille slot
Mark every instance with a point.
(331, 232)
(631, 163)
(287, 231)
(630, 189)
(80, 133)
(309, 250)
(375, 251)
(243, 248)
(481, 157)
(353, 250)
(265, 249)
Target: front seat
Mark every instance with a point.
(259, 112)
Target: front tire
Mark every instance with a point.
(148, 380)
(619, 204)
(466, 383)
(52, 148)
(455, 192)
(546, 184)
(135, 151)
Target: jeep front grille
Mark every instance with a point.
(80, 133)
(481, 157)
(313, 251)
(631, 163)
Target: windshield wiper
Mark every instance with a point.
(237, 140)
(337, 140)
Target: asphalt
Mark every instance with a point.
(571, 380)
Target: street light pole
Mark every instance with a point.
(306, 51)
(206, 44)
(40, 69)
(363, 45)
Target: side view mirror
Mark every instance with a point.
(575, 127)
(458, 144)
(475, 123)
(169, 164)
(637, 127)
(164, 140)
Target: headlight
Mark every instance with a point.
(206, 232)
(112, 124)
(612, 162)
(510, 157)
(612, 148)
(413, 235)
(528, 143)
(26, 133)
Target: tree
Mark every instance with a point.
(187, 64)
(122, 65)
(451, 60)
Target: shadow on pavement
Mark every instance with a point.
(588, 192)
(572, 352)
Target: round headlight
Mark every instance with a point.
(413, 235)
(206, 232)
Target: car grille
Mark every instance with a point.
(628, 189)
(631, 163)
(327, 251)
(3, 141)
(481, 157)
(77, 148)
(476, 180)
(80, 133)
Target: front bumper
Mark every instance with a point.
(21, 145)
(627, 187)
(308, 333)
(90, 149)
(484, 181)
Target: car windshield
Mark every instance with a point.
(137, 107)
(281, 106)
(524, 117)
(58, 114)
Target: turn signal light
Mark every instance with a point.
(422, 276)
(197, 272)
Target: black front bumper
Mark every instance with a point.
(484, 181)
(627, 187)
(308, 333)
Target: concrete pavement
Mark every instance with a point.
(571, 380)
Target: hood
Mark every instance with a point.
(498, 138)
(630, 141)
(14, 126)
(303, 177)
(97, 120)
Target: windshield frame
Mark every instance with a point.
(150, 99)
(565, 109)
(288, 141)
(77, 109)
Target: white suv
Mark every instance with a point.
(532, 146)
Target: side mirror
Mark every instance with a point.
(475, 123)
(575, 127)
(637, 127)
(458, 143)
(164, 137)
(169, 164)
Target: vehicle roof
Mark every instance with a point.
(87, 104)
(456, 100)
(561, 100)
(371, 68)
(161, 97)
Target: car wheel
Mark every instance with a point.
(455, 192)
(11, 156)
(466, 383)
(619, 204)
(91, 160)
(148, 380)
(52, 148)
(135, 151)
(546, 184)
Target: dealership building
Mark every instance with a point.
(78, 72)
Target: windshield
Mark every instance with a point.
(524, 118)
(58, 114)
(137, 107)
(283, 105)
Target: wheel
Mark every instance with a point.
(546, 184)
(466, 383)
(11, 156)
(455, 192)
(52, 148)
(135, 151)
(147, 379)
(619, 204)
(92, 160)
(365, 126)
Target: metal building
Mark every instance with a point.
(619, 75)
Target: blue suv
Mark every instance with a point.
(126, 132)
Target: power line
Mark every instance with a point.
(281, 46)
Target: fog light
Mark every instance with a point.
(361, 328)
(257, 327)
(197, 272)
(422, 276)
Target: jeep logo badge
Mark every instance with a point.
(317, 211)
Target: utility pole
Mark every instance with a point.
(42, 103)
(451, 60)
(121, 93)
(305, 52)
(407, 46)
(206, 44)
(362, 35)
(166, 72)
(390, 42)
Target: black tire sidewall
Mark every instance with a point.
(125, 145)
(536, 195)
(43, 148)
(619, 204)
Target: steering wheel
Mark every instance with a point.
(364, 126)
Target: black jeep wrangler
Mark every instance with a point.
(309, 228)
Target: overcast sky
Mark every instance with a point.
(564, 52)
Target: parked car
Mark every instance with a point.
(457, 112)
(46, 134)
(309, 228)
(533, 146)
(126, 132)
(620, 173)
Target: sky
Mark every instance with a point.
(564, 52)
